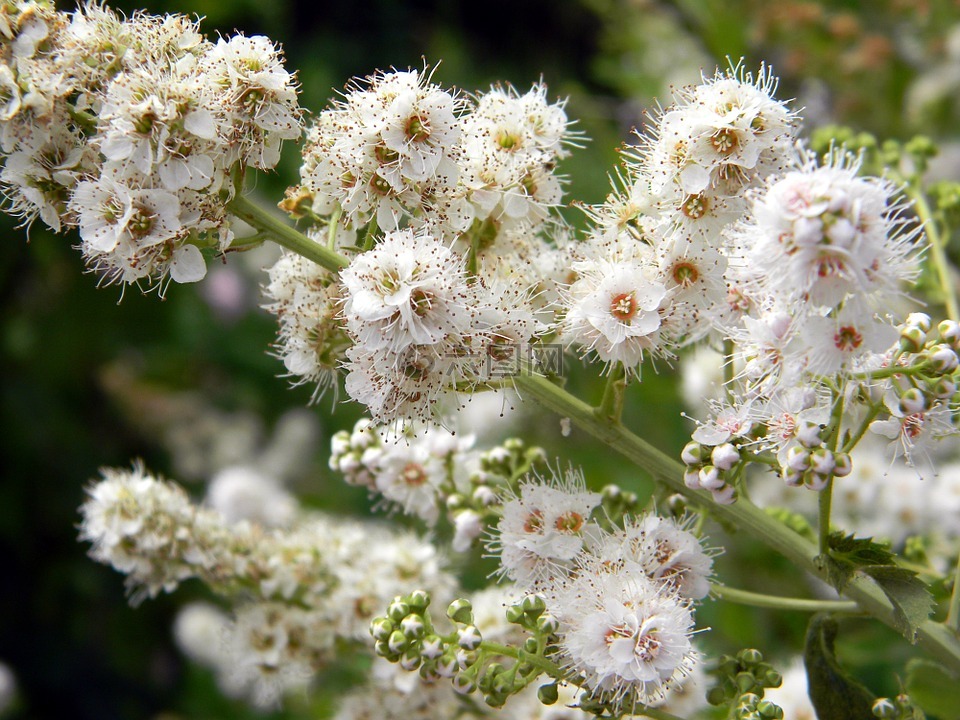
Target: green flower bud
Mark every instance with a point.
(745, 683)
(885, 709)
(398, 642)
(412, 626)
(398, 610)
(772, 679)
(469, 637)
(750, 657)
(418, 600)
(460, 611)
(547, 624)
(769, 710)
(515, 614)
(463, 684)
(530, 645)
(410, 660)
(381, 628)
(548, 694)
(912, 339)
(716, 696)
(533, 605)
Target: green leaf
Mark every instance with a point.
(912, 602)
(934, 689)
(834, 693)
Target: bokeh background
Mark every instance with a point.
(187, 383)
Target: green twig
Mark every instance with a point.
(937, 249)
(284, 235)
(611, 404)
(745, 597)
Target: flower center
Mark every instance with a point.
(725, 141)
(695, 206)
(534, 522)
(685, 273)
(847, 338)
(624, 306)
(413, 475)
(417, 128)
(570, 522)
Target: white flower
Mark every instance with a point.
(409, 290)
(628, 637)
(111, 214)
(613, 310)
(244, 493)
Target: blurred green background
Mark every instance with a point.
(88, 382)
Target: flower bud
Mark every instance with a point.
(798, 458)
(455, 501)
(418, 600)
(822, 461)
(431, 648)
(466, 658)
(398, 610)
(920, 320)
(842, 464)
(463, 685)
(943, 358)
(808, 433)
(912, 339)
(548, 694)
(460, 611)
(547, 624)
(448, 666)
(515, 614)
(533, 605)
(485, 496)
(949, 331)
(791, 477)
(725, 456)
(429, 673)
(813, 480)
(750, 657)
(944, 388)
(745, 683)
(772, 679)
(410, 660)
(913, 401)
(381, 628)
(711, 478)
(769, 710)
(725, 495)
(397, 642)
(530, 644)
(412, 626)
(692, 453)
(691, 478)
(469, 638)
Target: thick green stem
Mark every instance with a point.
(939, 641)
(284, 235)
(745, 597)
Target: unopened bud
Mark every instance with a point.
(769, 710)
(726, 495)
(691, 478)
(692, 454)
(418, 600)
(798, 458)
(944, 388)
(750, 657)
(460, 610)
(842, 464)
(515, 614)
(791, 477)
(547, 624)
(533, 605)
(412, 626)
(469, 637)
(885, 709)
(431, 648)
(398, 610)
(808, 433)
(463, 685)
(822, 461)
(920, 320)
(725, 456)
(913, 401)
(448, 666)
(949, 331)
(815, 481)
(943, 358)
(397, 642)
(411, 659)
(381, 628)
(711, 478)
(912, 339)
(548, 694)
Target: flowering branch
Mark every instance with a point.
(745, 597)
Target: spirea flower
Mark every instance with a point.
(613, 310)
(820, 234)
(629, 637)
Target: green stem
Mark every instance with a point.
(953, 614)
(940, 642)
(284, 235)
(541, 663)
(611, 404)
(745, 597)
(332, 229)
(937, 249)
(825, 501)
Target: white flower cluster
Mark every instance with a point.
(131, 130)
(652, 274)
(623, 598)
(304, 587)
(399, 149)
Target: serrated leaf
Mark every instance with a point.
(912, 602)
(934, 689)
(834, 693)
(846, 554)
